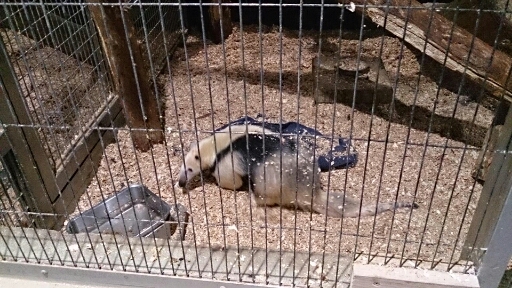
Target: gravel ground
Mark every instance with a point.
(197, 92)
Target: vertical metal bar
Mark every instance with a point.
(481, 216)
(166, 144)
(369, 139)
(261, 78)
(103, 14)
(314, 154)
(221, 198)
(416, 92)
(229, 128)
(36, 32)
(60, 155)
(13, 255)
(81, 123)
(180, 136)
(281, 142)
(138, 81)
(331, 145)
(244, 82)
(359, 52)
(297, 112)
(340, 38)
(160, 112)
(445, 146)
(424, 153)
(189, 76)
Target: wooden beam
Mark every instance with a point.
(4, 143)
(123, 51)
(484, 160)
(39, 184)
(79, 151)
(79, 182)
(219, 26)
(364, 276)
(492, 198)
(442, 38)
(76, 176)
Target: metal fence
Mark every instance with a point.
(391, 115)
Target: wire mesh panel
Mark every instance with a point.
(62, 87)
(12, 201)
(62, 72)
(346, 138)
(153, 23)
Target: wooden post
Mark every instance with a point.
(487, 241)
(423, 25)
(121, 45)
(491, 139)
(493, 192)
(219, 26)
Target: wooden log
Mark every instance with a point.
(120, 47)
(35, 176)
(334, 77)
(482, 18)
(442, 38)
(219, 26)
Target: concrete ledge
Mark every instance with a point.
(148, 256)
(365, 276)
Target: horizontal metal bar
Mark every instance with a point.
(128, 5)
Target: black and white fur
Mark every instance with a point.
(284, 173)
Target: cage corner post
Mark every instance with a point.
(488, 240)
(30, 162)
(484, 160)
(131, 81)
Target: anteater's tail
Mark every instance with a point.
(348, 207)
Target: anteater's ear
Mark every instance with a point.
(192, 145)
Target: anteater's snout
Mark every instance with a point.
(182, 182)
(182, 177)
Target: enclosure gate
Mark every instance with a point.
(99, 100)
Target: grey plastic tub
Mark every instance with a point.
(134, 211)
